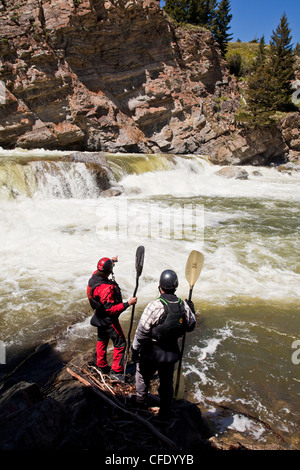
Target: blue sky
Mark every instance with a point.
(253, 18)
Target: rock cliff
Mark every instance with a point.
(116, 75)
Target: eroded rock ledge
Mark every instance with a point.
(117, 76)
(52, 402)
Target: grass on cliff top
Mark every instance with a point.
(247, 50)
(187, 26)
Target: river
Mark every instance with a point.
(55, 226)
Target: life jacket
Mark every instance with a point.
(101, 317)
(172, 324)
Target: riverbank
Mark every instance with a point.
(51, 403)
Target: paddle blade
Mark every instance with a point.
(139, 260)
(193, 267)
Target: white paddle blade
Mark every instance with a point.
(193, 267)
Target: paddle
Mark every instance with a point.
(139, 263)
(193, 269)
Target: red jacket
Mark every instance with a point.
(105, 297)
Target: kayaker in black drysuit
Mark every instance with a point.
(155, 345)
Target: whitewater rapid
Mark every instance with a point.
(56, 225)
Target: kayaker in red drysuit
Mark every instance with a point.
(105, 299)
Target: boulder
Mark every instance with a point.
(258, 146)
(233, 172)
(290, 129)
(78, 409)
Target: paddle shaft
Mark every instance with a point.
(192, 272)
(132, 311)
(181, 352)
(139, 262)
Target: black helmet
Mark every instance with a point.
(168, 280)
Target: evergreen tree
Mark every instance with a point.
(261, 56)
(262, 53)
(197, 12)
(201, 12)
(235, 64)
(221, 26)
(269, 86)
(212, 12)
(282, 61)
(209, 13)
(177, 9)
(259, 95)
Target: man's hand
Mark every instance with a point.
(132, 300)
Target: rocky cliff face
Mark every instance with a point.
(115, 75)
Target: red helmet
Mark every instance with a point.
(105, 265)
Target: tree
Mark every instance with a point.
(177, 9)
(259, 95)
(282, 61)
(208, 13)
(269, 86)
(197, 12)
(235, 64)
(220, 26)
(212, 11)
(261, 56)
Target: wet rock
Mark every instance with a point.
(290, 128)
(288, 167)
(98, 159)
(39, 427)
(233, 172)
(112, 192)
(65, 414)
(97, 163)
(255, 147)
(18, 398)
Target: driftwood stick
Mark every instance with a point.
(110, 389)
(136, 417)
(103, 385)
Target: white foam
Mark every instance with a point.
(55, 237)
(196, 177)
(245, 425)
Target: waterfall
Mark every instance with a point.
(48, 175)
(47, 179)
